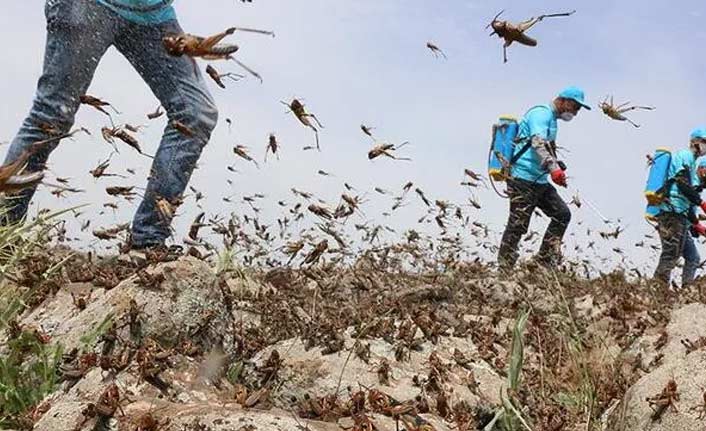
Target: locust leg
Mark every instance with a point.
(526, 25)
(211, 41)
(637, 126)
(315, 119)
(632, 108)
(249, 70)
(505, 52)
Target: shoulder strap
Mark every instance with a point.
(523, 150)
(528, 144)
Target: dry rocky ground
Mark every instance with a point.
(178, 345)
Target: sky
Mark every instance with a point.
(365, 61)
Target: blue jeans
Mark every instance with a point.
(79, 32)
(691, 260)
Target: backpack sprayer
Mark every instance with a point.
(501, 155)
(657, 185)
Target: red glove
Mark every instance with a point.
(699, 228)
(559, 177)
(703, 206)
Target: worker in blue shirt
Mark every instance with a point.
(676, 215)
(79, 32)
(528, 186)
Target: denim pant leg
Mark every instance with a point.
(180, 87)
(691, 259)
(78, 34)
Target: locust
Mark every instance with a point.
(317, 252)
(218, 77)
(516, 32)
(297, 108)
(420, 193)
(182, 128)
(386, 150)
(472, 175)
(156, 114)
(110, 233)
(616, 112)
(436, 50)
(97, 103)
(208, 48)
(99, 171)
(367, 130)
(612, 234)
(665, 399)
(293, 248)
(242, 151)
(576, 200)
(320, 211)
(112, 133)
(165, 209)
(196, 225)
(125, 191)
(272, 145)
(12, 178)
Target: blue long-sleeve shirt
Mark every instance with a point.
(539, 122)
(144, 12)
(682, 172)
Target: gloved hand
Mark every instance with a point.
(699, 228)
(559, 177)
(703, 206)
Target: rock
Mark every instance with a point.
(180, 417)
(315, 374)
(188, 305)
(634, 412)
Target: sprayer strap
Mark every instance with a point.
(519, 154)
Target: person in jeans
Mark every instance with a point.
(677, 216)
(79, 32)
(528, 187)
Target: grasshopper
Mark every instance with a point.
(516, 32)
(386, 150)
(297, 108)
(616, 112)
(436, 50)
(272, 145)
(218, 77)
(208, 48)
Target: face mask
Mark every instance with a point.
(567, 116)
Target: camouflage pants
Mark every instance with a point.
(672, 229)
(525, 197)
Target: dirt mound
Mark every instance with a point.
(189, 347)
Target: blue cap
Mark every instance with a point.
(575, 94)
(699, 132)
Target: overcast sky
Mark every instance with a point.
(365, 61)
